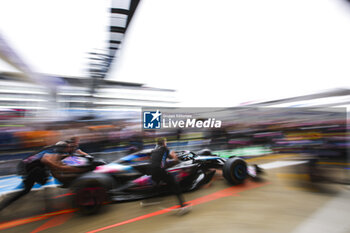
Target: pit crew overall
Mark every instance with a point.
(158, 172)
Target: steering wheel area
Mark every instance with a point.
(184, 155)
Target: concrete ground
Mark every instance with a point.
(283, 202)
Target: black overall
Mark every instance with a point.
(158, 172)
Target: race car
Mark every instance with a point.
(128, 178)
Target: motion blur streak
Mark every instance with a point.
(211, 197)
(63, 195)
(34, 219)
(234, 190)
(55, 221)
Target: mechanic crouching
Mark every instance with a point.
(36, 169)
(62, 172)
(158, 164)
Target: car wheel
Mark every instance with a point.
(90, 196)
(235, 170)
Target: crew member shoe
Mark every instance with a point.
(184, 210)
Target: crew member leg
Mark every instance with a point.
(37, 174)
(28, 184)
(170, 180)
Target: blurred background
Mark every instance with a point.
(88, 67)
(275, 71)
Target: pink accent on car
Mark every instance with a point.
(106, 169)
(143, 180)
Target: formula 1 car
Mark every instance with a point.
(128, 178)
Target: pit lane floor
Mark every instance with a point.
(278, 204)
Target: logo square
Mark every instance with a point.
(152, 119)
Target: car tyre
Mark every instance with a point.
(235, 170)
(90, 196)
